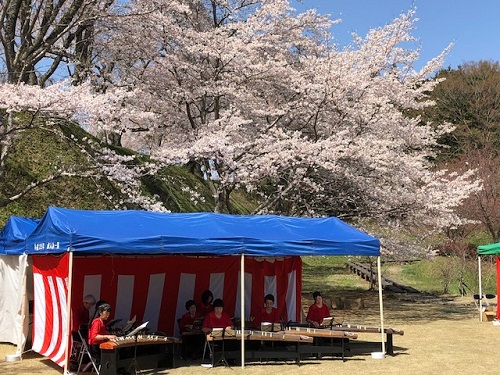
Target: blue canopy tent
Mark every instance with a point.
(14, 270)
(141, 232)
(14, 234)
(138, 232)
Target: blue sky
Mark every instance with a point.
(473, 25)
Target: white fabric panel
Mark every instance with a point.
(26, 295)
(124, 297)
(13, 300)
(248, 296)
(39, 318)
(217, 285)
(92, 285)
(291, 297)
(153, 305)
(61, 288)
(55, 311)
(270, 287)
(186, 292)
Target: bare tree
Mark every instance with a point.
(39, 37)
(468, 98)
(483, 206)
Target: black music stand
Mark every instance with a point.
(222, 358)
(135, 332)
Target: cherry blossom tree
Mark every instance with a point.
(258, 97)
(40, 41)
(24, 107)
(262, 99)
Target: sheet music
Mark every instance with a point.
(217, 332)
(267, 326)
(327, 321)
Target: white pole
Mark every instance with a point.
(480, 289)
(381, 304)
(242, 293)
(68, 311)
(21, 342)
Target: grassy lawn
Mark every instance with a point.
(329, 274)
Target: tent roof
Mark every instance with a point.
(14, 234)
(142, 232)
(492, 249)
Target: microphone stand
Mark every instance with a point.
(134, 365)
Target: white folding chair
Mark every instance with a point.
(483, 300)
(76, 348)
(77, 343)
(85, 351)
(210, 351)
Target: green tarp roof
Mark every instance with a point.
(492, 249)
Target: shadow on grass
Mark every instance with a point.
(363, 348)
(398, 308)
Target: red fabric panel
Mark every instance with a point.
(252, 266)
(110, 267)
(168, 319)
(50, 336)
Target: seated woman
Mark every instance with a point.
(187, 320)
(96, 314)
(317, 311)
(217, 318)
(192, 344)
(268, 314)
(98, 333)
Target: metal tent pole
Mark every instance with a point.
(242, 318)
(480, 289)
(68, 312)
(381, 304)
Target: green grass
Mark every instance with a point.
(39, 151)
(432, 275)
(329, 274)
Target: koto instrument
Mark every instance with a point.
(252, 335)
(320, 332)
(362, 328)
(126, 341)
(146, 352)
(389, 332)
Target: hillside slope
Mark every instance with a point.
(40, 150)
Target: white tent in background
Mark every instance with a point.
(16, 283)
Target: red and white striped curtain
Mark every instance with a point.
(50, 315)
(155, 289)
